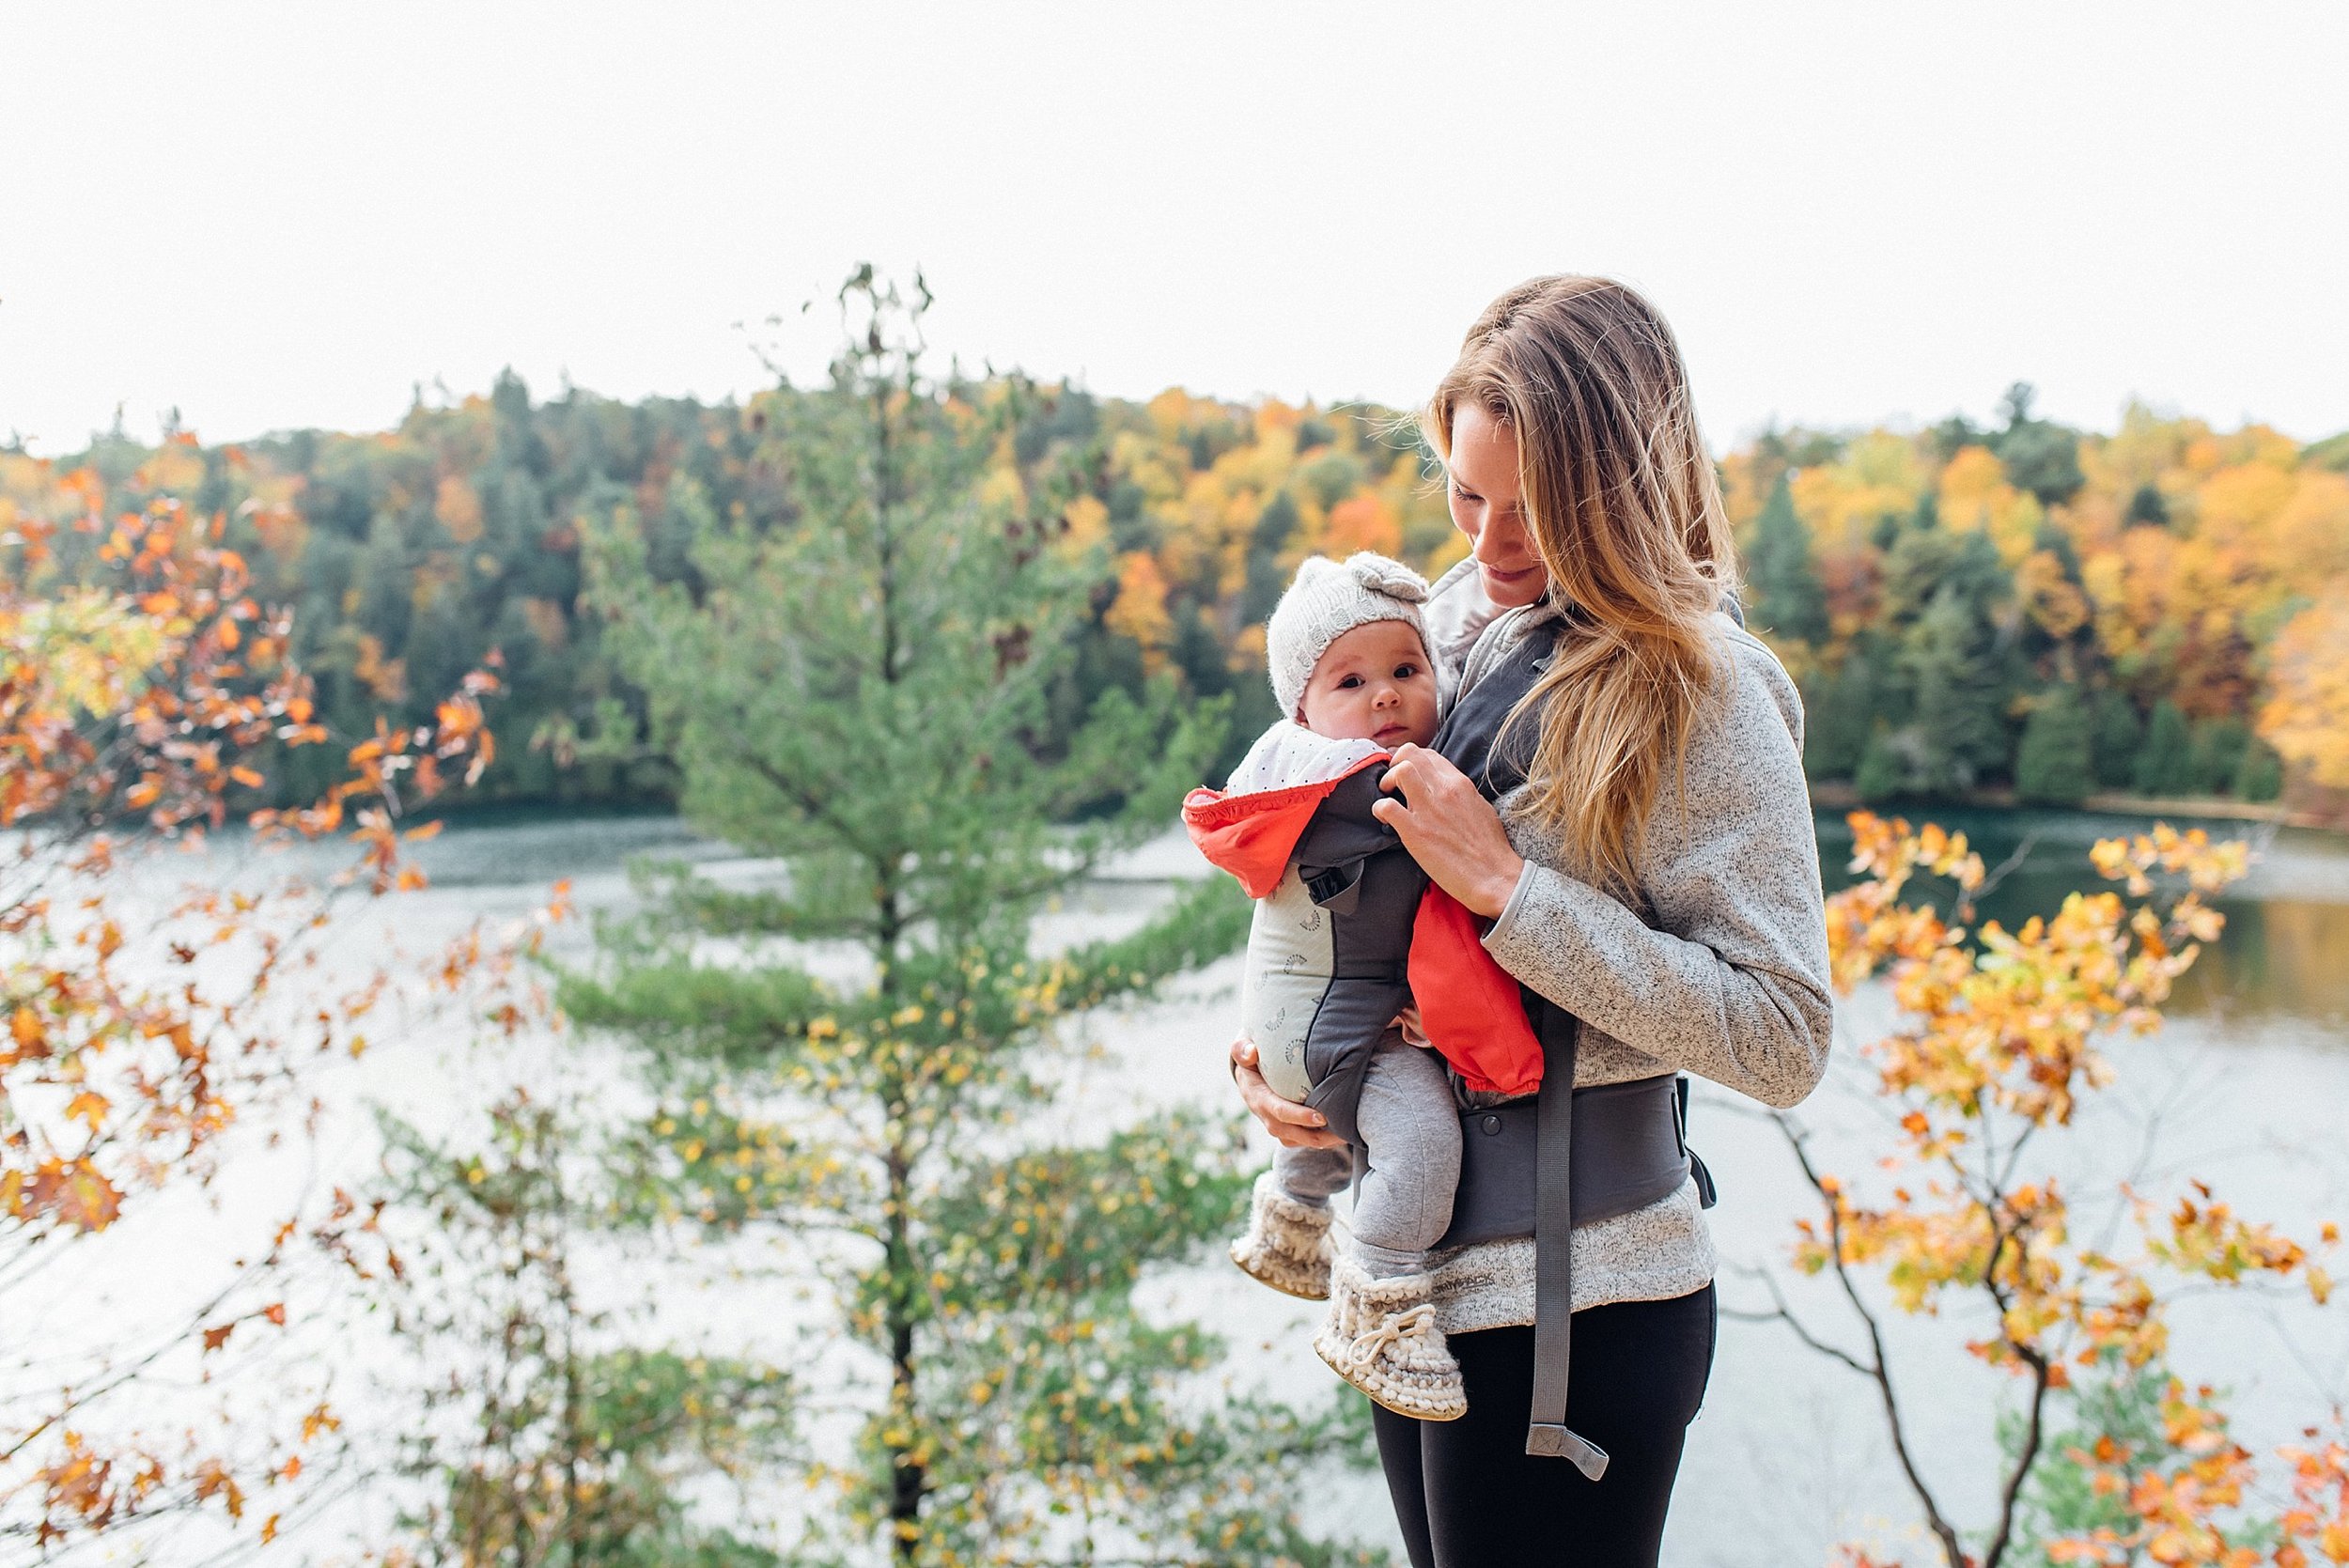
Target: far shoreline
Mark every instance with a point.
(1837, 795)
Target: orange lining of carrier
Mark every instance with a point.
(1468, 1005)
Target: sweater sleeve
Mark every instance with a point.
(1730, 981)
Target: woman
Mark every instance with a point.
(1655, 877)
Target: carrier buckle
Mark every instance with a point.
(1546, 1441)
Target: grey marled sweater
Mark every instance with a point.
(1718, 966)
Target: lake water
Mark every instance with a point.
(2243, 1089)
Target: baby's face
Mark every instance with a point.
(1373, 684)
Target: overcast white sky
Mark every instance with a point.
(291, 214)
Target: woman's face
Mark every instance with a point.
(1482, 486)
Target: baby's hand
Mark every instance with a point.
(1414, 1033)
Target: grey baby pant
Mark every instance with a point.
(1410, 1131)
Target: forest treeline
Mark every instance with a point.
(2162, 610)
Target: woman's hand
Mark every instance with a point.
(1298, 1127)
(1451, 831)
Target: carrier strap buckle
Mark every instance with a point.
(1547, 1441)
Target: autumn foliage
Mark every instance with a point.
(143, 688)
(2166, 602)
(1946, 585)
(2002, 1034)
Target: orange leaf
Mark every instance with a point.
(215, 1338)
(74, 1193)
(213, 1480)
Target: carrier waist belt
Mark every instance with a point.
(1627, 1152)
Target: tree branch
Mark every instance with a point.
(1941, 1528)
(1782, 1312)
(2013, 1491)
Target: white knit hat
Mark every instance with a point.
(1328, 599)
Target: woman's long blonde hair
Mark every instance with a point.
(1623, 508)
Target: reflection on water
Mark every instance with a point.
(2286, 948)
(2278, 955)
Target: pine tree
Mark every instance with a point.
(1883, 773)
(861, 694)
(1952, 657)
(1788, 601)
(549, 1437)
(2052, 764)
(2146, 509)
(2259, 776)
(1266, 542)
(2116, 738)
(1837, 721)
(2217, 755)
(2038, 455)
(2164, 767)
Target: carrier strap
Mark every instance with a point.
(1553, 1270)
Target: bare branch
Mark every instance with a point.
(1943, 1531)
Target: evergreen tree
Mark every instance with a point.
(2116, 736)
(1953, 435)
(549, 1438)
(861, 694)
(2052, 766)
(2044, 460)
(1266, 579)
(2260, 775)
(1836, 724)
(2164, 767)
(1883, 773)
(1788, 599)
(1953, 659)
(2038, 455)
(2219, 745)
(1919, 561)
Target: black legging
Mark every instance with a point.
(1467, 1494)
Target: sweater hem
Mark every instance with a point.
(1651, 1254)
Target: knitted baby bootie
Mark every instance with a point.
(1380, 1335)
(1287, 1244)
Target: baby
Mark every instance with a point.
(1328, 957)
